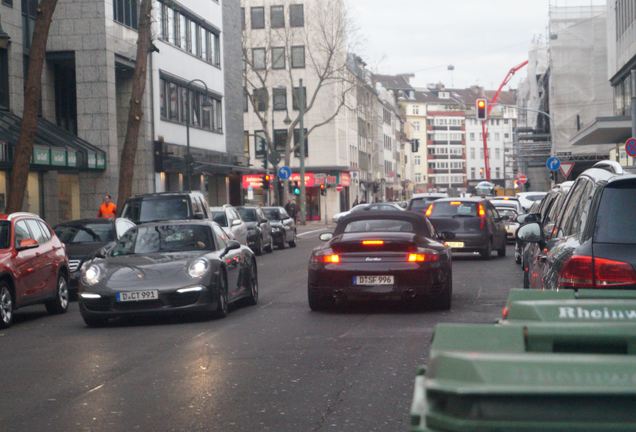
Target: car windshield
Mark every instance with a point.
(5, 234)
(453, 208)
(89, 233)
(379, 225)
(248, 215)
(164, 238)
(272, 214)
(615, 220)
(220, 217)
(157, 209)
(503, 211)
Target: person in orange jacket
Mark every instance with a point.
(108, 209)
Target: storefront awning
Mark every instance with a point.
(605, 130)
(54, 147)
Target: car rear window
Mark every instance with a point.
(220, 218)
(379, 225)
(419, 204)
(453, 208)
(248, 215)
(615, 220)
(89, 233)
(535, 197)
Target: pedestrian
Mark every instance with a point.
(108, 209)
(291, 210)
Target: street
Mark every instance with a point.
(274, 367)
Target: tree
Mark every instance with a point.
(269, 55)
(135, 114)
(32, 92)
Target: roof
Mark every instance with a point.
(393, 82)
(203, 222)
(163, 194)
(467, 96)
(382, 214)
(470, 200)
(87, 221)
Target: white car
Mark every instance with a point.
(511, 204)
(528, 198)
(230, 220)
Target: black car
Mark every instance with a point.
(421, 202)
(259, 230)
(283, 226)
(593, 242)
(166, 206)
(84, 238)
(381, 255)
(475, 222)
(167, 267)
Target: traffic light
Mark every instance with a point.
(266, 181)
(482, 109)
(481, 172)
(323, 190)
(296, 188)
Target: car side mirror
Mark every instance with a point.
(236, 222)
(445, 236)
(28, 244)
(326, 237)
(531, 233)
(231, 245)
(528, 218)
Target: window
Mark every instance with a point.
(472, 173)
(258, 17)
(296, 94)
(174, 106)
(498, 172)
(418, 178)
(37, 234)
(416, 110)
(280, 140)
(183, 32)
(194, 39)
(280, 99)
(416, 126)
(246, 143)
(171, 26)
(614, 222)
(277, 16)
(472, 136)
(298, 57)
(246, 100)
(278, 58)
(296, 15)
(7, 3)
(258, 58)
(173, 102)
(417, 160)
(125, 12)
(497, 135)
(472, 153)
(4, 79)
(261, 99)
(21, 232)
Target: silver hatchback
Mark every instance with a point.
(230, 220)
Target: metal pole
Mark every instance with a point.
(633, 77)
(303, 190)
(273, 183)
(188, 156)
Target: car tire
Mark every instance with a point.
(317, 302)
(258, 250)
(252, 300)
(444, 301)
(6, 305)
(487, 252)
(282, 244)
(526, 279)
(222, 307)
(501, 253)
(292, 244)
(59, 304)
(270, 246)
(94, 321)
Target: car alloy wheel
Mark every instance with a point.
(253, 298)
(6, 306)
(222, 300)
(60, 304)
(259, 247)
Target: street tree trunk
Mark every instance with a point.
(140, 76)
(33, 89)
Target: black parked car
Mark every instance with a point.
(259, 230)
(477, 225)
(381, 255)
(283, 226)
(168, 267)
(86, 237)
(166, 206)
(593, 242)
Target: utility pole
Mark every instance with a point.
(633, 77)
(303, 190)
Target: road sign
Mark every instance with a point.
(630, 147)
(553, 163)
(566, 168)
(522, 179)
(339, 188)
(284, 173)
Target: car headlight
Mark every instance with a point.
(92, 275)
(198, 268)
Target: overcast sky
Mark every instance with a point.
(482, 39)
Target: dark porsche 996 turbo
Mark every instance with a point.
(382, 255)
(167, 267)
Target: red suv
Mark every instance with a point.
(33, 266)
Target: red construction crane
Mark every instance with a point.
(491, 104)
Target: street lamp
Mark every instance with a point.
(204, 105)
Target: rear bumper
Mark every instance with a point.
(472, 242)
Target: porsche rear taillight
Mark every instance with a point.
(421, 257)
(589, 272)
(331, 259)
(326, 257)
(372, 242)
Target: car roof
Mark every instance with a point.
(609, 171)
(471, 199)
(218, 209)
(92, 221)
(429, 195)
(15, 215)
(417, 219)
(165, 194)
(204, 222)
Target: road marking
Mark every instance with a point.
(96, 388)
(312, 232)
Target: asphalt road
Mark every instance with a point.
(274, 367)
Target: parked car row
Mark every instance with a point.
(583, 236)
(167, 252)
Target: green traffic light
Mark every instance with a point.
(296, 191)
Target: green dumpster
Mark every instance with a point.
(528, 378)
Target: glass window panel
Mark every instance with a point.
(204, 43)
(258, 58)
(183, 30)
(278, 58)
(277, 16)
(298, 57)
(296, 15)
(194, 49)
(174, 101)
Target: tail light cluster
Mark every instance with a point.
(482, 216)
(591, 272)
(430, 256)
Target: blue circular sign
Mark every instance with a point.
(284, 173)
(630, 147)
(553, 163)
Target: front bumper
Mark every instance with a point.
(411, 281)
(169, 302)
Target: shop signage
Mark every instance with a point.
(345, 179)
(58, 157)
(254, 181)
(310, 179)
(332, 180)
(41, 156)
